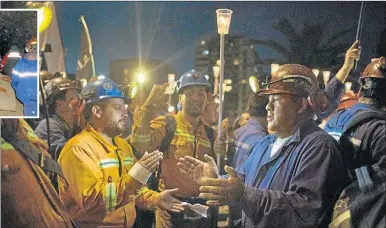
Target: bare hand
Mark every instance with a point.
(222, 191)
(157, 96)
(151, 161)
(198, 170)
(169, 203)
(352, 54)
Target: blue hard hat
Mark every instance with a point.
(102, 89)
(191, 78)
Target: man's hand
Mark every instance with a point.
(352, 54)
(222, 191)
(151, 161)
(198, 170)
(169, 203)
(157, 97)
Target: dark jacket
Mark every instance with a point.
(298, 186)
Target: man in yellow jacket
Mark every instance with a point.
(104, 179)
(190, 138)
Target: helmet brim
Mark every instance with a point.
(267, 92)
(95, 99)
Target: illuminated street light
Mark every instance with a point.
(223, 23)
(141, 78)
(274, 67)
(316, 72)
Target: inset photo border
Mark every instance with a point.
(20, 65)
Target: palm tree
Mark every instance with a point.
(309, 46)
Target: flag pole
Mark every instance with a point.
(89, 43)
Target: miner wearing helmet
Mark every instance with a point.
(293, 176)
(361, 134)
(177, 136)
(104, 179)
(62, 118)
(25, 79)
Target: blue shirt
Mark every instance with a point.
(25, 80)
(246, 138)
(298, 186)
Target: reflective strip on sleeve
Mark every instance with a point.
(128, 161)
(142, 138)
(25, 74)
(243, 145)
(111, 197)
(5, 145)
(108, 163)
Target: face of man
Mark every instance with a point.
(283, 114)
(244, 118)
(63, 105)
(193, 100)
(114, 117)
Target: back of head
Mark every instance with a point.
(373, 82)
(257, 104)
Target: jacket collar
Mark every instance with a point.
(109, 147)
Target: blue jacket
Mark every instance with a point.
(25, 80)
(298, 186)
(367, 208)
(246, 138)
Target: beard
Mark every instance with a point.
(113, 128)
(194, 109)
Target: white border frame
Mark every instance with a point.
(37, 68)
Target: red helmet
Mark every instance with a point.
(348, 99)
(32, 45)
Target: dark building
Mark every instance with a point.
(241, 62)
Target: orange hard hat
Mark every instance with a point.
(348, 99)
(32, 45)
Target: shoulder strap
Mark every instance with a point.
(210, 133)
(170, 128)
(46, 163)
(364, 117)
(362, 173)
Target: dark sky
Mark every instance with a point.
(168, 30)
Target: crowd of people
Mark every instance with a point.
(298, 157)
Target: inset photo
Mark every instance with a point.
(19, 64)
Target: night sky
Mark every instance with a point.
(168, 30)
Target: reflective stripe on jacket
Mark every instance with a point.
(100, 190)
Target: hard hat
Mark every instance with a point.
(298, 80)
(32, 45)
(102, 89)
(289, 79)
(348, 99)
(59, 84)
(45, 76)
(375, 69)
(192, 78)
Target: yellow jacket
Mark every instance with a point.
(100, 192)
(184, 141)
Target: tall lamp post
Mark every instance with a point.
(223, 23)
(216, 74)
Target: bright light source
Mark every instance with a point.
(171, 108)
(100, 77)
(326, 76)
(206, 77)
(218, 62)
(348, 86)
(223, 20)
(228, 81)
(216, 71)
(14, 55)
(203, 42)
(274, 67)
(236, 62)
(133, 90)
(316, 72)
(254, 84)
(205, 52)
(141, 78)
(44, 18)
(251, 47)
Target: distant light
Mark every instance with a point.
(141, 78)
(207, 77)
(205, 52)
(236, 62)
(203, 42)
(171, 108)
(231, 44)
(100, 77)
(14, 55)
(251, 47)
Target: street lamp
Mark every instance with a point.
(326, 77)
(216, 74)
(274, 68)
(223, 23)
(316, 72)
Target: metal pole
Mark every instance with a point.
(221, 92)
